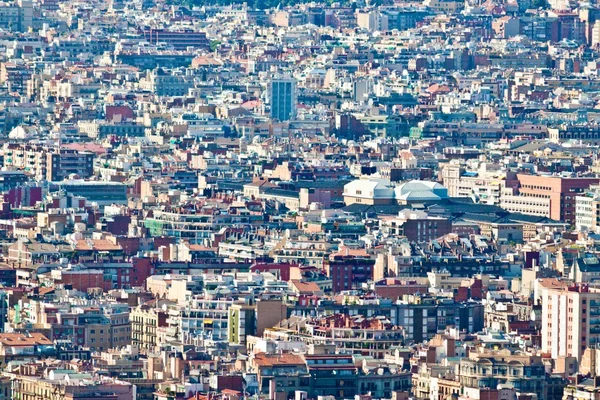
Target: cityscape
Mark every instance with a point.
(274, 200)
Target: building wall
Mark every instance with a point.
(144, 325)
(268, 314)
(570, 320)
(561, 192)
(348, 273)
(283, 99)
(82, 280)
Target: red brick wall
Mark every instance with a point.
(82, 280)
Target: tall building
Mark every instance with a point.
(570, 318)
(283, 99)
(16, 16)
(145, 322)
(587, 210)
(64, 162)
(348, 272)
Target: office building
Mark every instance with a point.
(548, 196)
(283, 99)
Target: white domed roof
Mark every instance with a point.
(420, 191)
(375, 188)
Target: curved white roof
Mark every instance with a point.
(420, 191)
(375, 188)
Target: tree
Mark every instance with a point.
(214, 44)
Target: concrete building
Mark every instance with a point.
(65, 162)
(372, 20)
(482, 185)
(348, 272)
(445, 6)
(179, 39)
(489, 369)
(204, 318)
(17, 15)
(389, 126)
(381, 191)
(416, 226)
(549, 196)
(164, 83)
(587, 210)
(570, 318)
(56, 387)
(145, 321)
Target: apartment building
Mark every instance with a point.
(181, 223)
(15, 75)
(588, 133)
(391, 126)
(348, 272)
(145, 321)
(94, 328)
(481, 185)
(204, 317)
(48, 163)
(424, 316)
(65, 162)
(196, 125)
(587, 210)
(488, 369)
(570, 318)
(446, 6)
(355, 334)
(17, 15)
(302, 251)
(68, 385)
(416, 226)
(286, 372)
(27, 158)
(244, 247)
(12, 179)
(19, 346)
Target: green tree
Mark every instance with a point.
(214, 44)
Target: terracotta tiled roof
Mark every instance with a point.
(270, 360)
(96, 245)
(306, 287)
(19, 339)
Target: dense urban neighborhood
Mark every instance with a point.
(364, 200)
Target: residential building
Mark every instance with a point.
(570, 322)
